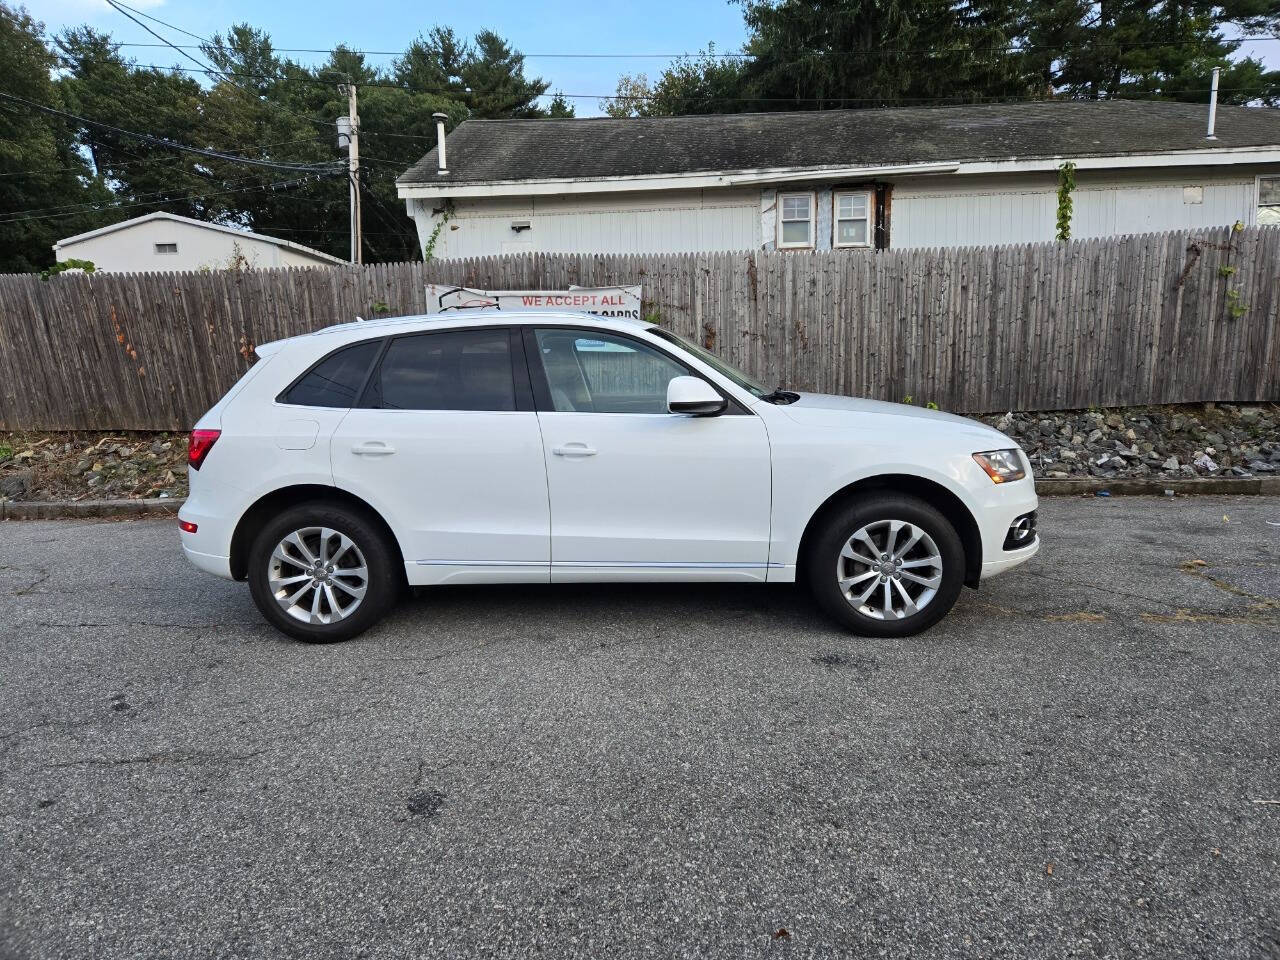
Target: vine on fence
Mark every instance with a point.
(1236, 307)
(1066, 184)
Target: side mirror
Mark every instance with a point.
(694, 396)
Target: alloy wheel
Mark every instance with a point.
(889, 569)
(318, 575)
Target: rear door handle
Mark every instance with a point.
(574, 449)
(374, 448)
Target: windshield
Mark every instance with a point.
(753, 387)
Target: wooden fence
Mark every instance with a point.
(1157, 318)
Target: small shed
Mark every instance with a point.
(166, 241)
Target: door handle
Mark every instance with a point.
(374, 448)
(574, 449)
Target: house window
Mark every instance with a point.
(852, 220)
(166, 248)
(795, 225)
(1268, 201)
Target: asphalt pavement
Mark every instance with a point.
(1083, 760)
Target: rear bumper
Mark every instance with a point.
(208, 562)
(209, 548)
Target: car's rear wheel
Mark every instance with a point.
(321, 573)
(887, 565)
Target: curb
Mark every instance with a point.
(1241, 486)
(169, 506)
(59, 510)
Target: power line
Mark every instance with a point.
(124, 9)
(151, 160)
(742, 55)
(160, 141)
(197, 196)
(1157, 95)
(89, 204)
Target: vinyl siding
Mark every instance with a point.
(683, 221)
(132, 249)
(925, 211)
(934, 214)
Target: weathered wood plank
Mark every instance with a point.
(1183, 316)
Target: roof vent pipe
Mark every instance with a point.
(1213, 104)
(440, 118)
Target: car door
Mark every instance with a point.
(638, 493)
(445, 443)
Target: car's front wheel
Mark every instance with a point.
(321, 573)
(887, 565)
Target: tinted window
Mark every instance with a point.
(335, 380)
(456, 370)
(600, 373)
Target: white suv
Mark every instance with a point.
(486, 447)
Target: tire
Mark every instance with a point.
(913, 580)
(346, 605)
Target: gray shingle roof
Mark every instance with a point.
(487, 150)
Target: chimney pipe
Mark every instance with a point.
(1213, 104)
(440, 118)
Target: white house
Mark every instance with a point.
(166, 241)
(893, 178)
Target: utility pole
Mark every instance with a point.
(349, 131)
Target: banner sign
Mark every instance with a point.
(601, 301)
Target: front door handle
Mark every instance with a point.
(574, 449)
(374, 448)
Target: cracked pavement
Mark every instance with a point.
(1080, 760)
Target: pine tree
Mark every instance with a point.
(41, 169)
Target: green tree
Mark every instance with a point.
(434, 63)
(816, 54)
(630, 97)
(1125, 48)
(820, 54)
(41, 169)
(97, 83)
(497, 88)
(560, 108)
(703, 84)
(252, 104)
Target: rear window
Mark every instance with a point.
(456, 370)
(334, 381)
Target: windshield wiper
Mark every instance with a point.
(781, 396)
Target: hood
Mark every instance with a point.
(820, 409)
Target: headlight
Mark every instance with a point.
(1002, 466)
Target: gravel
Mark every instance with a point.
(1079, 761)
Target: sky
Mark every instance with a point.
(607, 29)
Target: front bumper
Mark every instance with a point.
(1002, 506)
(1008, 559)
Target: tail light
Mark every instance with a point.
(199, 445)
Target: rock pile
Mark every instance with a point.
(1132, 442)
(1209, 440)
(92, 466)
